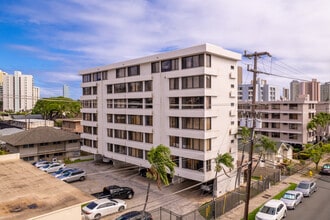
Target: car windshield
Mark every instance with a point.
(288, 196)
(66, 173)
(326, 166)
(268, 210)
(46, 166)
(303, 185)
(91, 205)
(59, 171)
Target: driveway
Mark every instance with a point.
(180, 198)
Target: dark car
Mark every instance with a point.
(115, 192)
(135, 215)
(325, 169)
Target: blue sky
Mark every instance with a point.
(53, 40)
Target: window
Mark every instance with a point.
(133, 70)
(293, 116)
(192, 164)
(208, 81)
(174, 83)
(174, 141)
(170, 65)
(109, 103)
(135, 136)
(94, 90)
(174, 102)
(175, 159)
(148, 120)
(174, 122)
(28, 145)
(87, 78)
(110, 132)
(120, 88)
(276, 116)
(109, 118)
(208, 165)
(148, 103)
(120, 119)
(87, 90)
(293, 126)
(120, 149)
(109, 89)
(148, 86)
(196, 123)
(193, 102)
(121, 72)
(135, 103)
(293, 136)
(275, 135)
(104, 75)
(97, 76)
(155, 67)
(293, 106)
(192, 82)
(193, 61)
(148, 138)
(134, 152)
(135, 87)
(122, 134)
(208, 60)
(120, 103)
(110, 147)
(196, 144)
(135, 119)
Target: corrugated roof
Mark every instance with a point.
(39, 135)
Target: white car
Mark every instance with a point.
(292, 198)
(103, 207)
(41, 163)
(52, 167)
(272, 210)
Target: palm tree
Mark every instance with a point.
(221, 161)
(160, 165)
(319, 124)
(265, 144)
(245, 136)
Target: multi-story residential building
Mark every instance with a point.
(66, 91)
(283, 121)
(264, 91)
(302, 89)
(2, 74)
(19, 94)
(325, 92)
(286, 94)
(184, 99)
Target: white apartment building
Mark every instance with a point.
(264, 91)
(184, 99)
(19, 94)
(283, 121)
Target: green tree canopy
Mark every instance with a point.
(319, 125)
(316, 152)
(57, 107)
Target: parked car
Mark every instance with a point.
(62, 171)
(52, 167)
(73, 175)
(103, 207)
(292, 198)
(133, 215)
(325, 169)
(41, 163)
(114, 191)
(272, 210)
(307, 187)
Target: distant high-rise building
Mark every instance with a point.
(311, 89)
(1, 88)
(66, 92)
(19, 94)
(286, 94)
(325, 92)
(264, 91)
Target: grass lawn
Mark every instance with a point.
(252, 214)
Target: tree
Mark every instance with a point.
(316, 152)
(264, 144)
(57, 107)
(160, 165)
(319, 125)
(221, 161)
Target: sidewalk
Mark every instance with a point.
(238, 212)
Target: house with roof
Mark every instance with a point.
(29, 193)
(44, 143)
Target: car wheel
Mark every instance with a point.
(97, 216)
(82, 178)
(121, 208)
(284, 216)
(130, 195)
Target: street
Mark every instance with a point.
(316, 206)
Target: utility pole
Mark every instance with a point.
(255, 55)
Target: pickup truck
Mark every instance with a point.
(115, 192)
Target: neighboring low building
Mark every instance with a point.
(270, 158)
(29, 193)
(72, 125)
(43, 143)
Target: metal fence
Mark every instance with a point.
(222, 204)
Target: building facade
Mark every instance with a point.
(325, 92)
(264, 91)
(66, 91)
(19, 94)
(283, 121)
(184, 99)
(303, 89)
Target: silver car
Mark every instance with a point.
(292, 198)
(73, 175)
(307, 187)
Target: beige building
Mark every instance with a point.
(43, 143)
(282, 121)
(19, 93)
(72, 125)
(325, 92)
(29, 193)
(184, 99)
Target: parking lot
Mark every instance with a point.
(180, 198)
